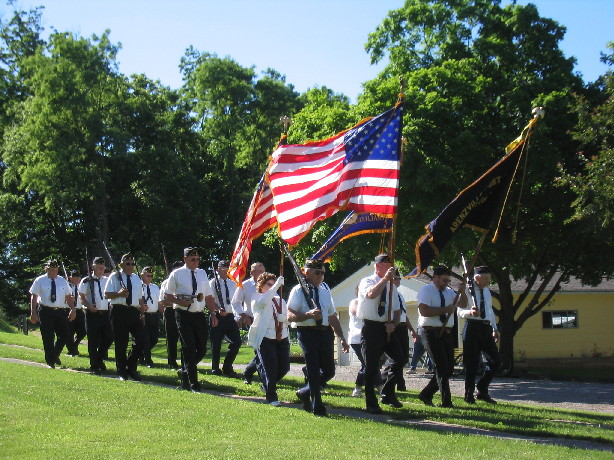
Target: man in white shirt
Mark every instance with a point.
(223, 289)
(52, 304)
(480, 335)
(125, 294)
(170, 323)
(189, 290)
(315, 317)
(380, 311)
(97, 319)
(151, 329)
(76, 326)
(436, 304)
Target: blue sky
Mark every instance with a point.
(316, 42)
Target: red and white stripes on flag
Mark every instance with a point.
(260, 217)
(357, 169)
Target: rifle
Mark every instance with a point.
(301, 279)
(218, 288)
(66, 277)
(165, 260)
(114, 265)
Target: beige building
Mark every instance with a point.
(577, 322)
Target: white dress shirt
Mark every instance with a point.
(429, 295)
(298, 304)
(180, 282)
(368, 308)
(99, 285)
(224, 285)
(152, 303)
(113, 285)
(242, 298)
(42, 288)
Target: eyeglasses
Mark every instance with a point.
(319, 272)
(397, 279)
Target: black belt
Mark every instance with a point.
(124, 305)
(97, 311)
(54, 308)
(317, 328)
(479, 321)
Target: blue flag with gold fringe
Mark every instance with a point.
(354, 224)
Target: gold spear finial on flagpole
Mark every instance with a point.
(286, 121)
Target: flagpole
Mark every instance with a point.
(393, 230)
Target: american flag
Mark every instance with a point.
(357, 170)
(260, 217)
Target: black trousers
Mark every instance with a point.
(99, 336)
(193, 333)
(226, 327)
(477, 340)
(374, 341)
(127, 321)
(441, 352)
(317, 345)
(77, 331)
(151, 330)
(54, 331)
(402, 334)
(172, 335)
(273, 364)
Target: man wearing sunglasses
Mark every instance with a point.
(124, 292)
(189, 290)
(314, 318)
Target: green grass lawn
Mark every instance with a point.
(49, 413)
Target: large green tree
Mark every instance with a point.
(474, 70)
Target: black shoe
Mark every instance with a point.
(485, 397)
(173, 365)
(392, 401)
(216, 371)
(149, 363)
(95, 370)
(123, 376)
(232, 374)
(469, 399)
(374, 410)
(401, 387)
(183, 377)
(51, 365)
(196, 388)
(320, 412)
(448, 406)
(134, 375)
(103, 366)
(426, 400)
(73, 353)
(58, 362)
(247, 379)
(305, 399)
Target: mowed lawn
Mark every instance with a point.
(48, 413)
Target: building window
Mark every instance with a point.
(560, 319)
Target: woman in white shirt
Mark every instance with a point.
(268, 334)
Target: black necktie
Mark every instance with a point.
(148, 294)
(442, 317)
(76, 295)
(53, 294)
(381, 308)
(129, 287)
(99, 289)
(482, 308)
(194, 285)
(315, 295)
(227, 293)
(401, 305)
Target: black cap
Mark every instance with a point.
(383, 258)
(313, 263)
(441, 270)
(223, 264)
(52, 263)
(147, 270)
(74, 273)
(187, 252)
(98, 261)
(127, 256)
(483, 270)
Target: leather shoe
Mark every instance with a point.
(247, 379)
(485, 397)
(103, 366)
(173, 365)
(392, 401)
(305, 399)
(448, 406)
(216, 371)
(58, 362)
(196, 388)
(183, 377)
(374, 410)
(321, 412)
(134, 375)
(232, 374)
(123, 376)
(95, 370)
(469, 399)
(426, 400)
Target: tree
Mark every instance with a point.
(474, 70)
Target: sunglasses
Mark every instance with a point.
(319, 272)
(130, 264)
